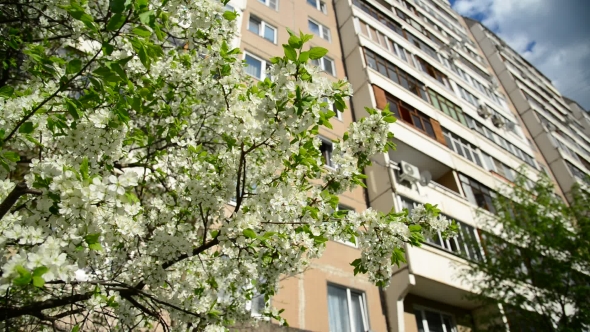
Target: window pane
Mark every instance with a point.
(269, 33)
(428, 128)
(418, 315)
(329, 66)
(312, 2)
(254, 25)
(326, 151)
(326, 33)
(469, 193)
(254, 67)
(338, 309)
(417, 122)
(371, 62)
(477, 158)
(272, 4)
(381, 67)
(313, 27)
(357, 311)
(434, 321)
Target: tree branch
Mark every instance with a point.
(35, 308)
(19, 190)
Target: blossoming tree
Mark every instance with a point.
(144, 182)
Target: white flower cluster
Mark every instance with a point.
(157, 173)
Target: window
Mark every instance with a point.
(446, 106)
(319, 30)
(345, 209)
(465, 244)
(347, 310)
(478, 194)
(433, 321)
(332, 107)
(257, 305)
(462, 147)
(326, 149)
(319, 5)
(274, 4)
(255, 66)
(326, 64)
(468, 96)
(411, 115)
(382, 40)
(433, 72)
(262, 29)
(395, 74)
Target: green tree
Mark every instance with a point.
(537, 260)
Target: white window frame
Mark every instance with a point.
(346, 208)
(267, 3)
(263, 65)
(322, 65)
(332, 107)
(318, 6)
(328, 163)
(322, 29)
(441, 313)
(364, 311)
(262, 25)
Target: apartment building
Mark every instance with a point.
(559, 126)
(327, 296)
(458, 139)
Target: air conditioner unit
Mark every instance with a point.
(510, 125)
(494, 85)
(498, 121)
(548, 126)
(409, 172)
(483, 111)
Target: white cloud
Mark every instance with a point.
(559, 30)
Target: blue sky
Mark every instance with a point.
(553, 35)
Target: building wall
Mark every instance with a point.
(549, 118)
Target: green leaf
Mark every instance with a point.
(141, 31)
(230, 15)
(316, 53)
(84, 168)
(95, 247)
(24, 278)
(304, 56)
(295, 42)
(117, 69)
(74, 66)
(144, 58)
(38, 282)
(107, 48)
(76, 328)
(147, 17)
(26, 128)
(118, 6)
(249, 233)
(6, 91)
(80, 14)
(290, 52)
(116, 22)
(39, 271)
(92, 238)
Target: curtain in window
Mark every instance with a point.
(254, 67)
(338, 309)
